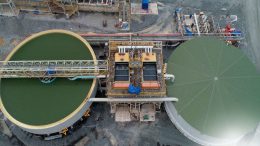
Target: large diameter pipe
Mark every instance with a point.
(130, 34)
(197, 24)
(173, 99)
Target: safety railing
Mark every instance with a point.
(52, 68)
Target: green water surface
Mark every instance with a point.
(33, 102)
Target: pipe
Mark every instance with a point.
(129, 34)
(134, 99)
(87, 77)
(197, 25)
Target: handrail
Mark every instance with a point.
(52, 68)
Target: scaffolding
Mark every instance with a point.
(99, 5)
(37, 7)
(8, 8)
(67, 7)
(124, 14)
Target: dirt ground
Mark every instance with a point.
(160, 132)
(1, 41)
(106, 131)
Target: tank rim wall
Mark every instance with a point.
(71, 115)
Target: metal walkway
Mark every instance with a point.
(53, 68)
(95, 37)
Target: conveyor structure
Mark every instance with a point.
(53, 68)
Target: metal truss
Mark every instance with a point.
(53, 68)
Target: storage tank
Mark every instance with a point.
(41, 108)
(145, 4)
(218, 88)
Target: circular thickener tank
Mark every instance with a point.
(48, 108)
(218, 88)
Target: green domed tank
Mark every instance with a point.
(218, 89)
